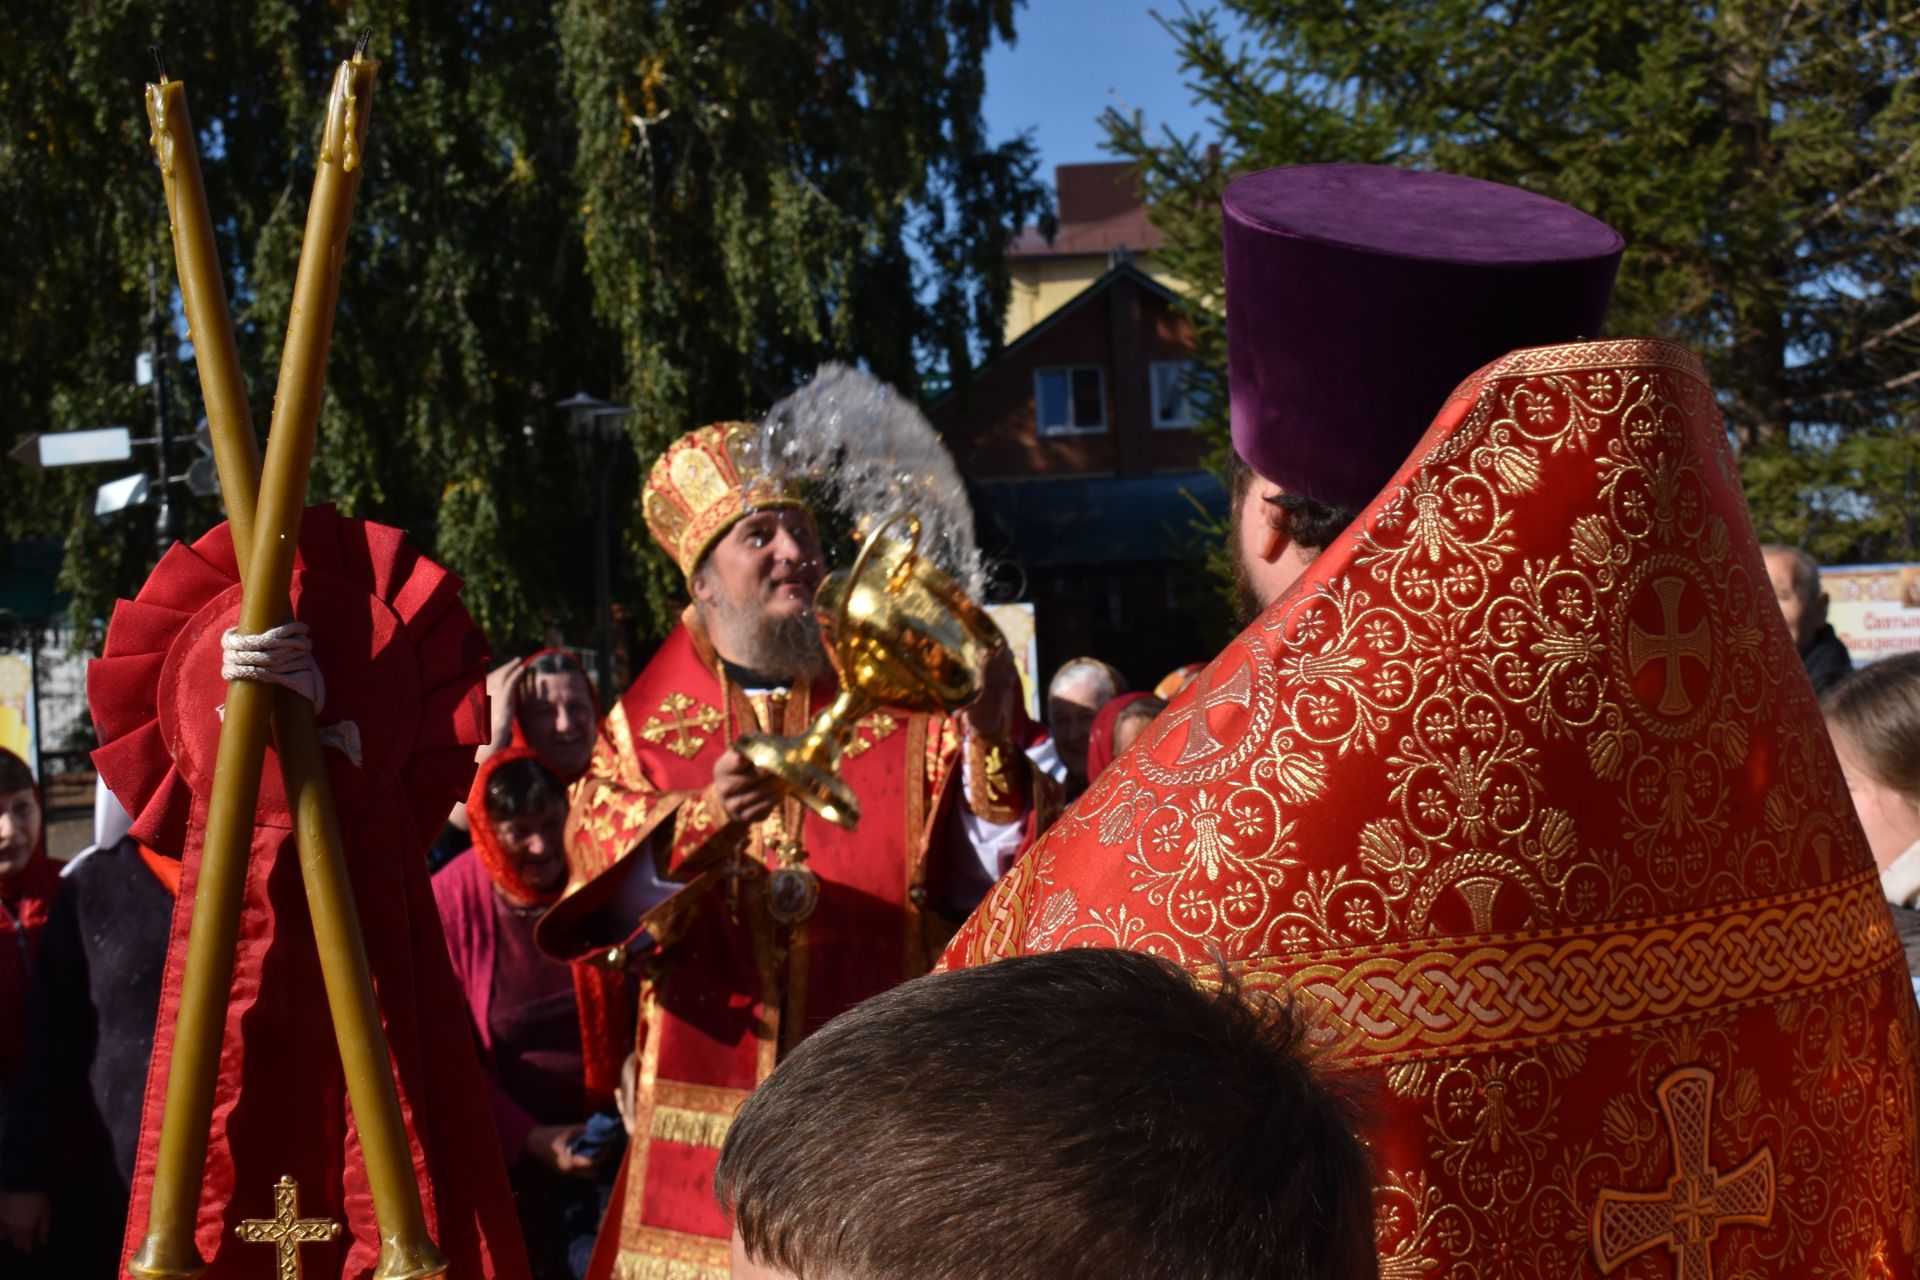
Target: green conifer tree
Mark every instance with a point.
(1762, 160)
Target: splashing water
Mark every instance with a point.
(871, 455)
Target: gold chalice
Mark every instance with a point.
(901, 633)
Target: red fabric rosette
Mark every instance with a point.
(405, 665)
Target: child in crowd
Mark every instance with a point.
(1874, 717)
(1088, 1113)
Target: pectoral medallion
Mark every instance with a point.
(792, 894)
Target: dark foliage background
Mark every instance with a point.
(683, 205)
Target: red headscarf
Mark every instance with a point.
(26, 898)
(606, 1007)
(486, 843)
(1100, 738)
(593, 699)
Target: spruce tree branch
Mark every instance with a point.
(1780, 27)
(1839, 206)
(1856, 393)
(1890, 332)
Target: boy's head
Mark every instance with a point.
(1086, 1113)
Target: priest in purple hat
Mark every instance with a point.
(1357, 297)
(1515, 781)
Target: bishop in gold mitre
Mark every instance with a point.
(754, 920)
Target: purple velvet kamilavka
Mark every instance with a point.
(1359, 295)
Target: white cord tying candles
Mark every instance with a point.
(283, 655)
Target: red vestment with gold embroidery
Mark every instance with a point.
(727, 988)
(1523, 789)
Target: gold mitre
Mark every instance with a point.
(705, 482)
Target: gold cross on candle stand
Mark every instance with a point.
(286, 1230)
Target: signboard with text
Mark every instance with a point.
(1875, 608)
(1017, 624)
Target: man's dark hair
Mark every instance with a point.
(1311, 524)
(520, 787)
(15, 776)
(1087, 1113)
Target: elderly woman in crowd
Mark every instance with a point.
(1074, 697)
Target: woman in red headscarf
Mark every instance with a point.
(28, 881)
(552, 1035)
(1120, 721)
(544, 702)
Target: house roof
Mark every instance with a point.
(1130, 230)
(1101, 209)
(1101, 284)
(1093, 520)
(1033, 333)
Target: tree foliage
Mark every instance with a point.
(1762, 160)
(768, 185)
(686, 205)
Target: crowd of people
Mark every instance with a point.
(733, 1019)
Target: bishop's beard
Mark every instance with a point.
(788, 648)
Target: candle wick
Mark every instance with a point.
(360, 46)
(159, 62)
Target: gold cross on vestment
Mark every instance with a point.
(677, 719)
(1671, 647)
(286, 1231)
(1236, 690)
(1687, 1216)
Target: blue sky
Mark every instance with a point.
(1075, 58)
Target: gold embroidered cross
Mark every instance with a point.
(286, 1231)
(675, 719)
(1671, 647)
(871, 731)
(1236, 690)
(1687, 1216)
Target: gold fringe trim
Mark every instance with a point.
(640, 1266)
(694, 1128)
(654, 1253)
(700, 1097)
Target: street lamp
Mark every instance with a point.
(596, 425)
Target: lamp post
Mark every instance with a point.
(165, 525)
(596, 425)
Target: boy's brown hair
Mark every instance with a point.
(1087, 1113)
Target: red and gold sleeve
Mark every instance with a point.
(615, 808)
(1000, 782)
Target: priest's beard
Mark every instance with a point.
(1247, 604)
(786, 648)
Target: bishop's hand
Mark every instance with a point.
(746, 792)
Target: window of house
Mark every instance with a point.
(1069, 400)
(1170, 407)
